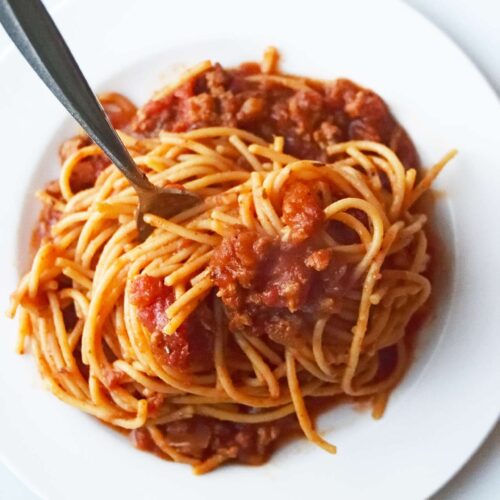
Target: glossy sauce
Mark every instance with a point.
(269, 288)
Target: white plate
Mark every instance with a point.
(450, 399)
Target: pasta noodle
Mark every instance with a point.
(98, 341)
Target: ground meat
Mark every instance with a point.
(305, 108)
(196, 112)
(202, 437)
(251, 109)
(235, 264)
(319, 259)
(302, 210)
(309, 119)
(366, 116)
(276, 288)
(190, 348)
(142, 439)
(281, 326)
(254, 269)
(283, 278)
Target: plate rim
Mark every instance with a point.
(61, 7)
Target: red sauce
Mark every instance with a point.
(302, 210)
(118, 108)
(201, 437)
(309, 120)
(275, 288)
(85, 174)
(269, 287)
(190, 348)
(120, 112)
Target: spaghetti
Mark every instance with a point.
(291, 284)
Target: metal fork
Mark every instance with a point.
(33, 31)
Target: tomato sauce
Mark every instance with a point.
(270, 288)
(309, 119)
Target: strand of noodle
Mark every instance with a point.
(267, 152)
(429, 177)
(178, 230)
(197, 147)
(356, 180)
(270, 60)
(245, 202)
(367, 164)
(364, 308)
(64, 242)
(208, 132)
(187, 75)
(201, 290)
(60, 331)
(378, 230)
(144, 380)
(317, 346)
(191, 295)
(292, 82)
(227, 219)
(263, 348)
(25, 331)
(77, 277)
(69, 165)
(245, 418)
(419, 260)
(393, 161)
(311, 367)
(266, 215)
(243, 150)
(355, 224)
(217, 179)
(75, 335)
(188, 269)
(45, 253)
(300, 407)
(259, 365)
(62, 262)
(411, 177)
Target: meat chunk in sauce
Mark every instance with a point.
(302, 210)
(203, 437)
(276, 288)
(268, 287)
(289, 285)
(309, 119)
(190, 348)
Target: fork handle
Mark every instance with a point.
(33, 31)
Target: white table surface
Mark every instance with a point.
(475, 26)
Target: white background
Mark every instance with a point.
(475, 26)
